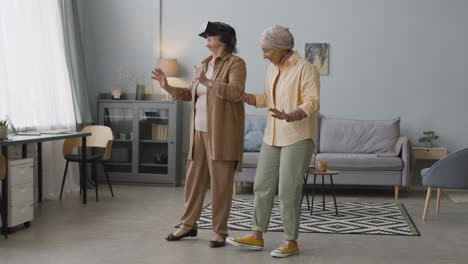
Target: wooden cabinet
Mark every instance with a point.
(147, 141)
(429, 153)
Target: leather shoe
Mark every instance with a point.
(191, 233)
(217, 244)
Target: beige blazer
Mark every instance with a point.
(225, 118)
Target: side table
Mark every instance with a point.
(330, 173)
(427, 157)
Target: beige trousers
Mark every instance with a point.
(202, 171)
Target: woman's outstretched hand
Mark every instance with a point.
(281, 115)
(295, 115)
(159, 76)
(247, 98)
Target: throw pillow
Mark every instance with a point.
(253, 134)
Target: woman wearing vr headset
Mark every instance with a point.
(292, 94)
(217, 131)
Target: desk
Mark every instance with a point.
(24, 140)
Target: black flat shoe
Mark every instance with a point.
(217, 244)
(191, 233)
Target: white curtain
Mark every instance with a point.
(35, 89)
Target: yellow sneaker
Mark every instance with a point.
(286, 249)
(247, 241)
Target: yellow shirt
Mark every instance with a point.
(298, 85)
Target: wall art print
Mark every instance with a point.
(318, 55)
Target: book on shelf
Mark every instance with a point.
(159, 131)
(156, 131)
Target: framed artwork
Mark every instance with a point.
(318, 55)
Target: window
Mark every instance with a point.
(35, 88)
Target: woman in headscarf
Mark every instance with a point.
(216, 131)
(291, 93)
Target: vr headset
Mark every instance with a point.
(226, 32)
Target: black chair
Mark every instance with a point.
(101, 137)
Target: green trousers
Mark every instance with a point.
(282, 169)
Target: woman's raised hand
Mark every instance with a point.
(159, 76)
(199, 74)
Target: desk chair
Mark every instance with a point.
(3, 165)
(101, 137)
(450, 172)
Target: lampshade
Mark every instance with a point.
(169, 67)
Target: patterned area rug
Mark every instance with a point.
(353, 218)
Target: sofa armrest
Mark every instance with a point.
(406, 158)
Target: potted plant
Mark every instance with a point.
(428, 138)
(3, 129)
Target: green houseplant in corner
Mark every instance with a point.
(3, 129)
(428, 138)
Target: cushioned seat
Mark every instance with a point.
(77, 158)
(360, 162)
(450, 172)
(250, 159)
(100, 139)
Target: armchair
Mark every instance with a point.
(450, 172)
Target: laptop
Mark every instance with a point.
(15, 131)
(35, 133)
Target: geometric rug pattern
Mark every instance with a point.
(352, 218)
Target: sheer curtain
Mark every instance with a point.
(35, 89)
(75, 60)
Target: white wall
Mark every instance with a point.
(387, 58)
(118, 34)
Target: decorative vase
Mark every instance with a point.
(140, 92)
(428, 144)
(3, 132)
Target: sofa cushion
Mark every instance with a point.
(358, 136)
(250, 159)
(253, 133)
(359, 161)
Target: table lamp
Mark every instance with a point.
(170, 69)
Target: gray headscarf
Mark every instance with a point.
(278, 38)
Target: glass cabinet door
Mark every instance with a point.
(120, 120)
(154, 137)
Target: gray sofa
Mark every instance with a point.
(364, 151)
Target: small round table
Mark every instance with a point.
(311, 171)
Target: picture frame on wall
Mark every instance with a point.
(318, 55)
